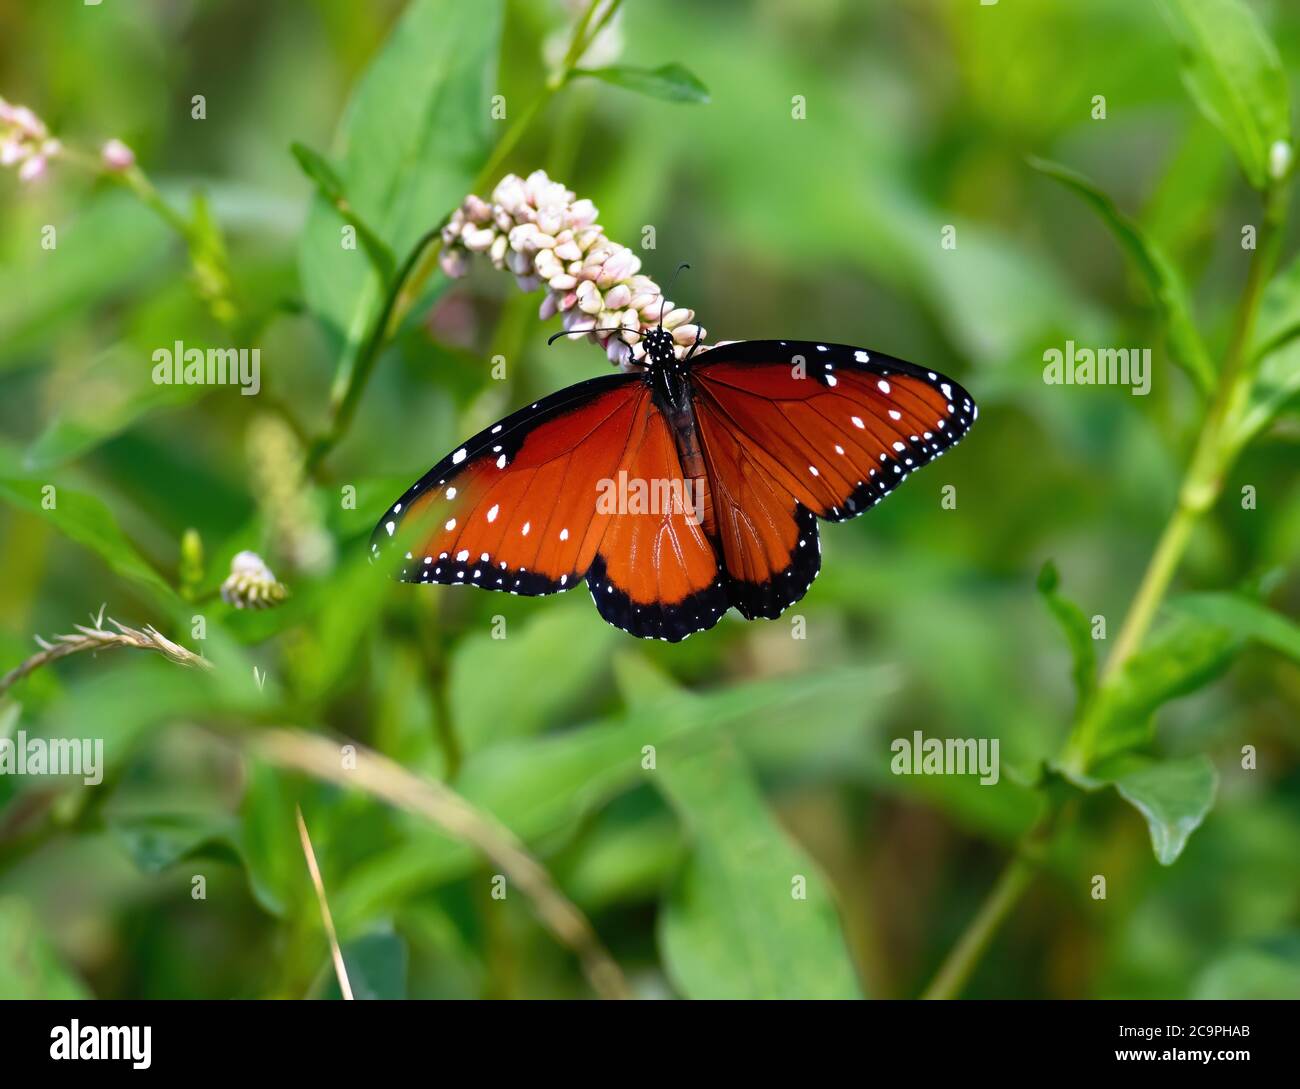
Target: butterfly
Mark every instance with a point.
(680, 489)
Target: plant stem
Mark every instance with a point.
(970, 947)
(1214, 453)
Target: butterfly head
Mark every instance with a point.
(659, 346)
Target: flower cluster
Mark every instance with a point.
(250, 584)
(25, 142)
(538, 230)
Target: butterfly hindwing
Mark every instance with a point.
(656, 571)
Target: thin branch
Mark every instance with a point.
(340, 969)
(389, 781)
(97, 638)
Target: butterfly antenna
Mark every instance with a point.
(574, 332)
(672, 280)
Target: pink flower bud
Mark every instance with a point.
(32, 169)
(116, 156)
(454, 263)
(28, 122)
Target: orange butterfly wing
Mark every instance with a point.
(793, 429)
(532, 505)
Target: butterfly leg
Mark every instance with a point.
(698, 338)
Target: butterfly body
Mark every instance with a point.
(682, 488)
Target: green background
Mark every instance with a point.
(772, 752)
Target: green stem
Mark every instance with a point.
(347, 405)
(1014, 880)
(1213, 456)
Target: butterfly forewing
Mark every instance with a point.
(515, 507)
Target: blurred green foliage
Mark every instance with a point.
(770, 850)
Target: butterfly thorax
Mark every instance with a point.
(668, 379)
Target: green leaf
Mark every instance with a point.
(1276, 386)
(156, 841)
(670, 82)
(1245, 617)
(750, 916)
(86, 520)
(1187, 655)
(30, 967)
(1173, 797)
(552, 662)
(330, 186)
(1262, 969)
(1279, 311)
(1078, 633)
(1161, 275)
(416, 132)
(110, 395)
(269, 840)
(544, 787)
(1234, 75)
(113, 246)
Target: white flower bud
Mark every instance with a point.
(550, 220)
(1279, 159)
(581, 213)
(251, 585)
(478, 239)
(589, 300)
